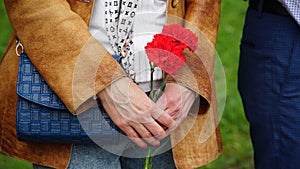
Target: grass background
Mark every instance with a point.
(237, 149)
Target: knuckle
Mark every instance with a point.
(132, 135)
(159, 132)
(147, 106)
(141, 118)
(172, 100)
(146, 135)
(168, 122)
(163, 120)
(121, 124)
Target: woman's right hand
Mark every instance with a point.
(134, 113)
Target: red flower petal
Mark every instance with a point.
(182, 34)
(165, 50)
(167, 61)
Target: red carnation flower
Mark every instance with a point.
(166, 53)
(182, 34)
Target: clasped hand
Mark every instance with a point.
(140, 118)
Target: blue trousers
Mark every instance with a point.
(269, 85)
(95, 157)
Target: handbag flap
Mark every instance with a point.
(31, 86)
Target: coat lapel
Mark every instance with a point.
(175, 11)
(83, 8)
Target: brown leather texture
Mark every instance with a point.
(202, 144)
(57, 40)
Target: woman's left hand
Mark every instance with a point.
(177, 101)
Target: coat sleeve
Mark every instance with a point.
(202, 18)
(58, 43)
(202, 143)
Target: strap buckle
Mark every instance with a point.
(19, 47)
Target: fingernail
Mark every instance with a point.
(145, 147)
(158, 144)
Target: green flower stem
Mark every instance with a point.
(161, 89)
(163, 85)
(148, 160)
(150, 155)
(154, 96)
(152, 66)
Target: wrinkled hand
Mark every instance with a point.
(134, 113)
(177, 100)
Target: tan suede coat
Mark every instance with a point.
(56, 38)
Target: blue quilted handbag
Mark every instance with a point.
(42, 116)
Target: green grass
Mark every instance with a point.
(5, 29)
(12, 163)
(237, 149)
(5, 32)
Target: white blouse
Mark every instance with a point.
(149, 19)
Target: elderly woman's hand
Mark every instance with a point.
(134, 113)
(177, 101)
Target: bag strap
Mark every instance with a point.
(20, 49)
